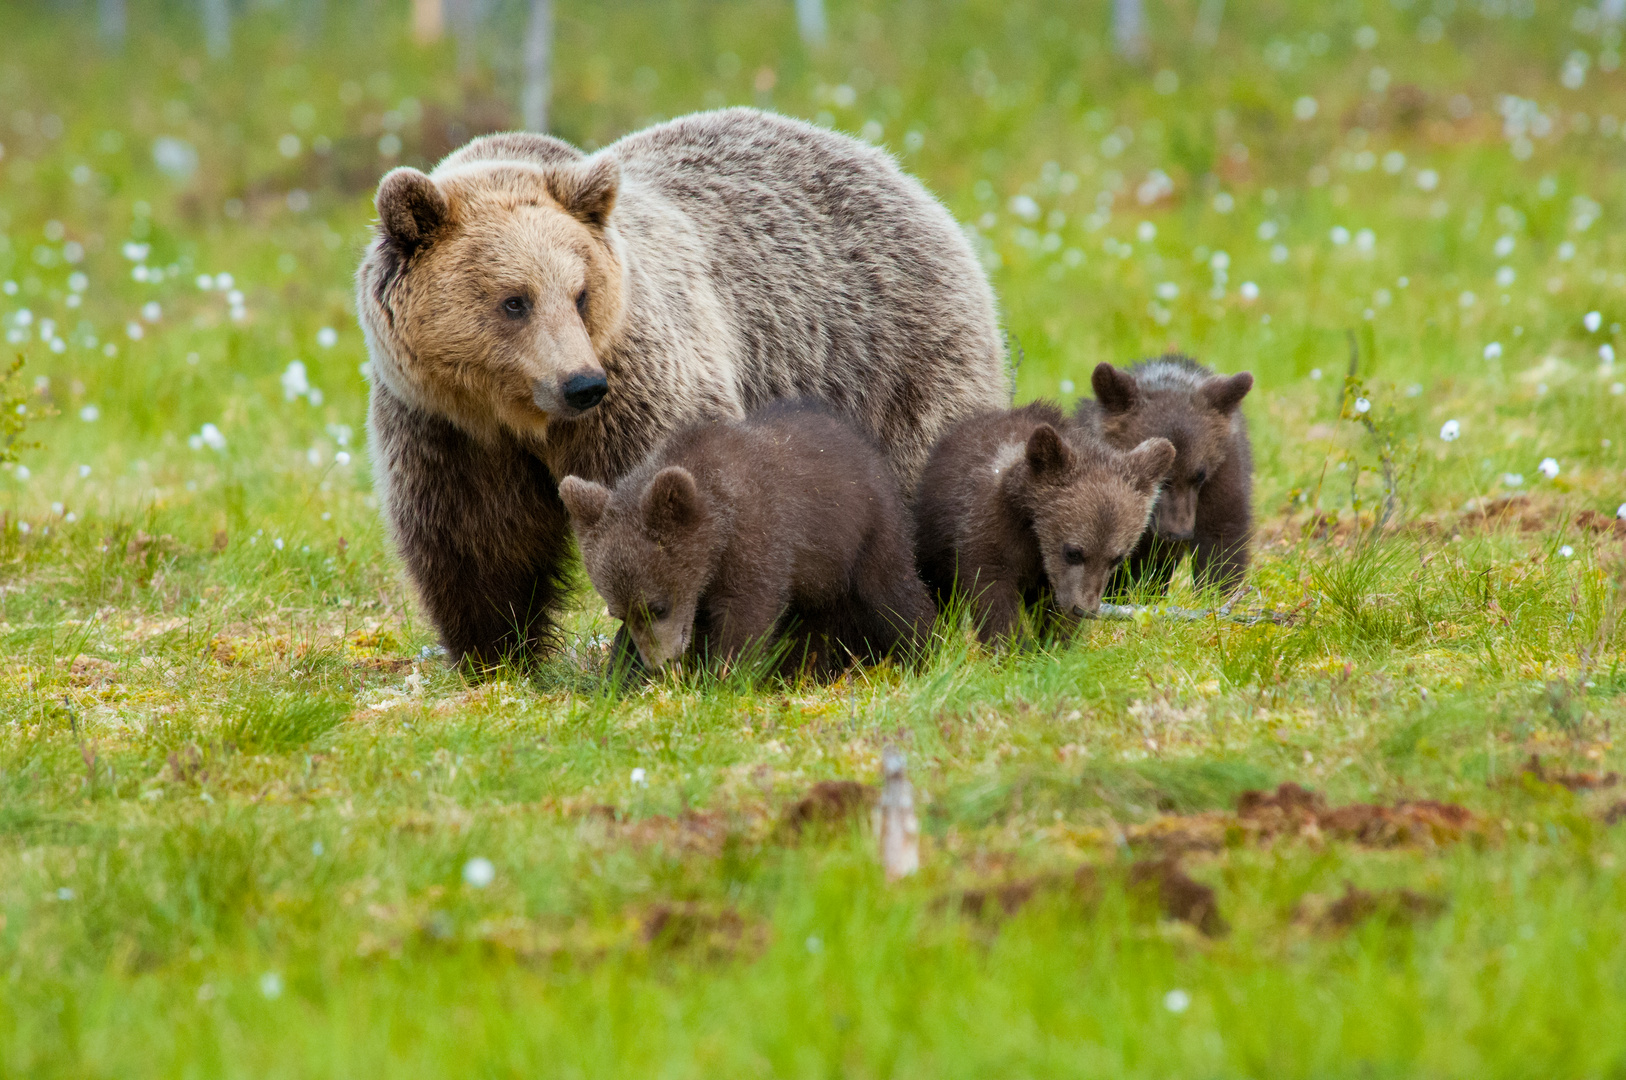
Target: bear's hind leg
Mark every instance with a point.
(891, 604)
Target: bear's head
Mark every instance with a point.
(650, 550)
(1089, 505)
(494, 289)
(1197, 415)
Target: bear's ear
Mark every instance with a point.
(1149, 464)
(1049, 456)
(411, 208)
(585, 500)
(1224, 394)
(671, 505)
(587, 191)
(1115, 390)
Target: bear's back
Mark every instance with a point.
(810, 265)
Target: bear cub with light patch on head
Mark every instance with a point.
(736, 533)
(1206, 507)
(1022, 504)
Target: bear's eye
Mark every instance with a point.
(1073, 554)
(516, 307)
(1199, 477)
(581, 303)
(656, 611)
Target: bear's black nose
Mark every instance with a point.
(582, 392)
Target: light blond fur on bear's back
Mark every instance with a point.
(723, 260)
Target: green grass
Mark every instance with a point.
(238, 801)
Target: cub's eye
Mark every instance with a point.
(1073, 554)
(516, 307)
(657, 611)
(581, 303)
(1199, 477)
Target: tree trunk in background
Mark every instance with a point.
(810, 21)
(533, 105)
(112, 21)
(1129, 28)
(217, 27)
(466, 16)
(1209, 14)
(428, 21)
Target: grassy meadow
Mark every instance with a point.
(252, 825)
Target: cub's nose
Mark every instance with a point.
(582, 392)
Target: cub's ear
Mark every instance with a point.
(671, 505)
(585, 500)
(1049, 456)
(411, 208)
(1149, 464)
(587, 191)
(1224, 394)
(1115, 390)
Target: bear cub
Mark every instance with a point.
(733, 534)
(1021, 504)
(1206, 507)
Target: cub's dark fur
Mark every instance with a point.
(1021, 503)
(1206, 506)
(737, 530)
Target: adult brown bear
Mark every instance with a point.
(534, 312)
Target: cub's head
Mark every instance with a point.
(1088, 504)
(649, 550)
(1192, 408)
(494, 288)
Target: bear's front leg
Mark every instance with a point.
(998, 606)
(484, 535)
(1220, 561)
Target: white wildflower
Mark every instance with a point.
(478, 872)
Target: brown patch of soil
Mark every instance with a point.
(715, 931)
(389, 665)
(1292, 809)
(688, 832)
(1593, 522)
(1573, 781)
(91, 672)
(1397, 907)
(1179, 896)
(828, 803)
(1010, 897)
(1615, 814)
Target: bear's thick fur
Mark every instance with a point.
(1206, 506)
(735, 532)
(533, 312)
(1021, 505)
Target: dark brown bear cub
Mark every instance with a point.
(1206, 506)
(1020, 504)
(735, 532)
